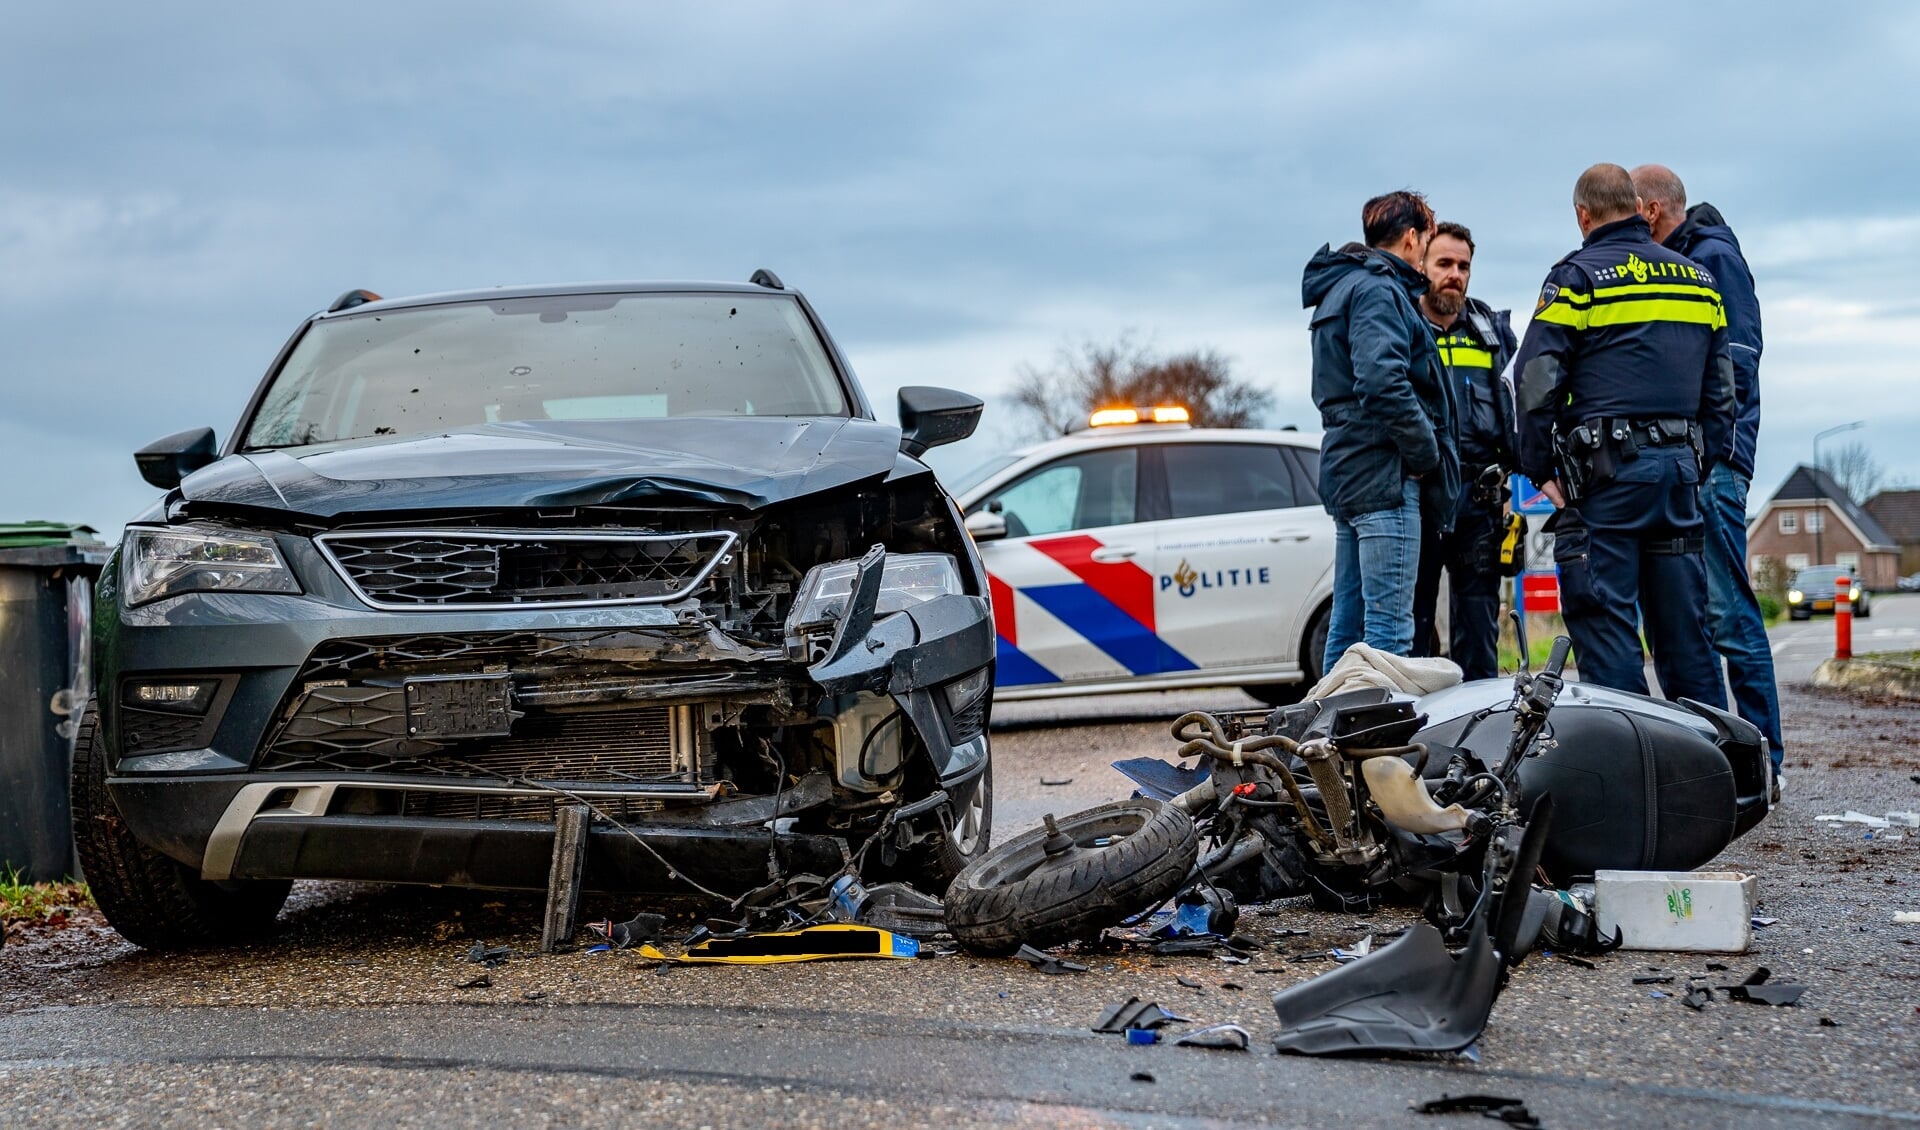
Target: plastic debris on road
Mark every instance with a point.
(1872, 822)
(1224, 1037)
(1134, 1013)
(1047, 963)
(1359, 950)
(492, 958)
(1513, 1112)
(1907, 918)
(640, 928)
(1757, 989)
(832, 942)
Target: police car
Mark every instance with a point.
(1139, 553)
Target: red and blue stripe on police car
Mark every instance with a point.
(1091, 619)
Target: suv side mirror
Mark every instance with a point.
(985, 525)
(930, 417)
(164, 462)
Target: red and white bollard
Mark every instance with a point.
(1842, 618)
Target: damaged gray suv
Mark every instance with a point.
(469, 558)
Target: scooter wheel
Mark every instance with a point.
(1070, 880)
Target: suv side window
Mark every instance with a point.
(1080, 492)
(1226, 478)
(1306, 474)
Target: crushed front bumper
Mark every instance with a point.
(233, 804)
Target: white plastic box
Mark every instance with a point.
(1694, 911)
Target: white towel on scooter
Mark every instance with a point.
(1363, 666)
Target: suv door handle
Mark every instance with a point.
(1290, 535)
(1108, 554)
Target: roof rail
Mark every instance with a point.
(766, 278)
(351, 299)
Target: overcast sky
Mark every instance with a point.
(959, 188)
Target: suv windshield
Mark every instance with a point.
(564, 357)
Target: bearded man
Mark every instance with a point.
(1475, 343)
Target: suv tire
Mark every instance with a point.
(969, 839)
(1125, 857)
(153, 900)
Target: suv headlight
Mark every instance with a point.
(162, 563)
(1795, 596)
(906, 579)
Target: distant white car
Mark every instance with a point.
(1137, 555)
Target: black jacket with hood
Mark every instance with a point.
(1705, 238)
(1385, 407)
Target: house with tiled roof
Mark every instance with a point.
(1898, 512)
(1810, 520)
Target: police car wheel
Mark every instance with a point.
(1314, 650)
(1093, 870)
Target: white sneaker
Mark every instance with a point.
(1779, 782)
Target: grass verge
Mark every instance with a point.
(39, 902)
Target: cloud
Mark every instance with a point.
(958, 188)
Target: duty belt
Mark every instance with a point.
(1674, 547)
(1658, 433)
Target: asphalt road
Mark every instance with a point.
(1800, 645)
(352, 1015)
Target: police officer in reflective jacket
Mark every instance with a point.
(1625, 397)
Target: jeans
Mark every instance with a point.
(1376, 558)
(1733, 612)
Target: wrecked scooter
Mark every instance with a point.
(1323, 798)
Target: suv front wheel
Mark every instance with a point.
(151, 899)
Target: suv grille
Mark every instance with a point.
(364, 729)
(402, 570)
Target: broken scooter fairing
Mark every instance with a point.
(1413, 995)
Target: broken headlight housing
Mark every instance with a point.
(906, 579)
(162, 563)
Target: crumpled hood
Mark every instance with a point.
(734, 461)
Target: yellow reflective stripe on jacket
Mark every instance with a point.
(1572, 317)
(1632, 312)
(1693, 289)
(1466, 357)
(1657, 310)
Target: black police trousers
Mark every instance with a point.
(1467, 553)
(1622, 561)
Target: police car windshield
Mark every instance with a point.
(561, 357)
(979, 473)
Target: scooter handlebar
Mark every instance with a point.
(1557, 658)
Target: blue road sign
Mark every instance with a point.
(1527, 498)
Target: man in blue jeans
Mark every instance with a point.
(1733, 612)
(1388, 460)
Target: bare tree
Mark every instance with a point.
(1123, 374)
(1853, 466)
